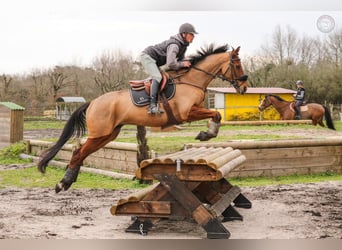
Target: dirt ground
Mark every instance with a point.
(297, 211)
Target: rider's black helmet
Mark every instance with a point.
(187, 28)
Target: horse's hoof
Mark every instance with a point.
(59, 187)
(62, 186)
(202, 136)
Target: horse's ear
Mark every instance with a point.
(236, 51)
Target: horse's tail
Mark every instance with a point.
(74, 126)
(328, 118)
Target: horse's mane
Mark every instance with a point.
(210, 49)
(278, 98)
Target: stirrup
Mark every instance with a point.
(154, 109)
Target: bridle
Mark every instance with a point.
(266, 102)
(231, 67)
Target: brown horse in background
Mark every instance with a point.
(107, 114)
(310, 111)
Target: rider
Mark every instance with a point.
(299, 97)
(170, 53)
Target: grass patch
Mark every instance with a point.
(44, 124)
(289, 179)
(32, 178)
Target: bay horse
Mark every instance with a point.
(105, 115)
(310, 111)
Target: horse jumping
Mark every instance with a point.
(107, 114)
(310, 111)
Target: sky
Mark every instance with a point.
(39, 34)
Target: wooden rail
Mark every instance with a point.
(114, 156)
(284, 157)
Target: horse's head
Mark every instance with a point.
(218, 65)
(265, 103)
(233, 72)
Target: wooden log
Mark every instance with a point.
(226, 156)
(117, 145)
(266, 122)
(211, 156)
(147, 208)
(231, 165)
(138, 196)
(270, 144)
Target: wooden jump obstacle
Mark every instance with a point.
(192, 185)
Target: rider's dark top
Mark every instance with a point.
(169, 52)
(300, 95)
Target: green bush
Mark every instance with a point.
(11, 154)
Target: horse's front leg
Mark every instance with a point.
(70, 175)
(198, 113)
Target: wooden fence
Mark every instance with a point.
(118, 156)
(264, 158)
(285, 157)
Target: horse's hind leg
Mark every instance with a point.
(321, 123)
(318, 120)
(90, 146)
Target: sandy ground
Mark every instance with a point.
(297, 211)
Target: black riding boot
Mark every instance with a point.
(153, 109)
(297, 116)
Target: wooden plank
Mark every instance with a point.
(263, 164)
(299, 152)
(206, 193)
(150, 208)
(225, 200)
(179, 191)
(187, 172)
(185, 197)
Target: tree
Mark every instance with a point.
(334, 42)
(59, 80)
(306, 51)
(5, 81)
(113, 70)
(40, 88)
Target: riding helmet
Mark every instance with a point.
(299, 82)
(187, 28)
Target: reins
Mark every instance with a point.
(221, 76)
(233, 80)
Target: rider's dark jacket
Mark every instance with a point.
(169, 52)
(300, 95)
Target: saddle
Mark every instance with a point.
(302, 107)
(146, 83)
(140, 89)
